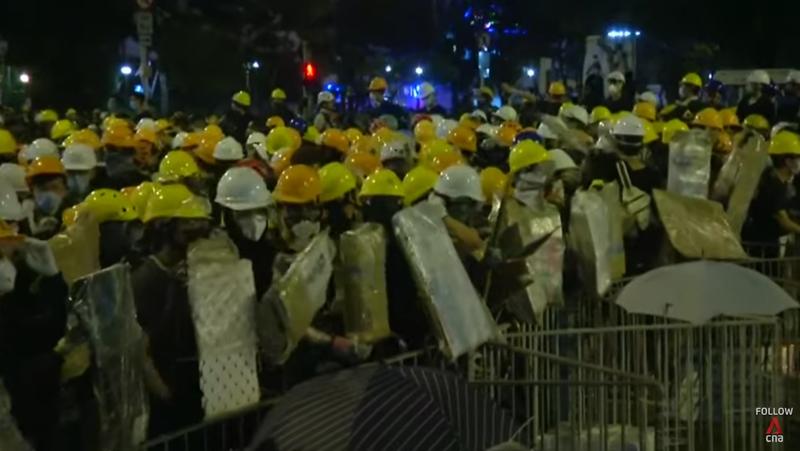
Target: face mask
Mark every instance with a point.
(8, 274)
(47, 202)
(78, 183)
(463, 210)
(531, 180)
(794, 166)
(119, 163)
(683, 92)
(375, 99)
(614, 89)
(252, 224)
(531, 198)
(302, 234)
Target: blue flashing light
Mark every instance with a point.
(138, 89)
(468, 13)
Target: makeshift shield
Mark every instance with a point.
(362, 254)
(690, 163)
(461, 321)
(103, 302)
(738, 179)
(222, 296)
(590, 236)
(611, 196)
(77, 249)
(697, 228)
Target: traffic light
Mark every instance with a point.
(309, 72)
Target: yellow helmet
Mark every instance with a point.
(278, 94)
(8, 144)
(757, 122)
(298, 184)
(431, 149)
(557, 88)
(417, 183)
(692, 78)
(45, 165)
(84, 136)
(445, 160)
(242, 98)
(670, 128)
(724, 143)
(650, 134)
(493, 183)
(378, 84)
(279, 138)
(599, 113)
(382, 182)
(61, 129)
(729, 118)
(176, 166)
(139, 196)
(424, 131)
(708, 117)
(645, 110)
(365, 144)
(463, 138)
(785, 143)
(336, 139)
(311, 134)
(109, 205)
(162, 124)
(362, 164)
(175, 201)
(118, 136)
(526, 153)
(336, 181)
(46, 116)
(353, 134)
(275, 121)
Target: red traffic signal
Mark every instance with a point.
(309, 72)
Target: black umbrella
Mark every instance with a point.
(384, 408)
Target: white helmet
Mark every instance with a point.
(177, 141)
(444, 127)
(242, 188)
(79, 157)
(39, 148)
(793, 77)
(479, 115)
(325, 96)
(546, 132)
(395, 149)
(14, 174)
(460, 181)
(487, 129)
(258, 142)
(426, 89)
(629, 125)
(648, 97)
(147, 124)
(758, 76)
(577, 113)
(506, 113)
(616, 76)
(10, 208)
(561, 160)
(228, 149)
(606, 144)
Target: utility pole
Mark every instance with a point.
(143, 18)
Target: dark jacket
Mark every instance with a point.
(764, 106)
(391, 109)
(235, 123)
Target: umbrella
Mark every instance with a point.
(377, 407)
(699, 291)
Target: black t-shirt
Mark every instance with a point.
(771, 197)
(763, 106)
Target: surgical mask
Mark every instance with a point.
(8, 274)
(302, 234)
(683, 92)
(531, 180)
(47, 202)
(251, 224)
(614, 89)
(78, 183)
(531, 198)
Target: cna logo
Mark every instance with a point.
(774, 433)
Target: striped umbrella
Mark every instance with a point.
(384, 408)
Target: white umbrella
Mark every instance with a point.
(699, 291)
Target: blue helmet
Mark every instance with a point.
(298, 124)
(528, 134)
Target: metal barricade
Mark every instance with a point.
(714, 375)
(232, 431)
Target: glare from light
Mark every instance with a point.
(638, 33)
(418, 70)
(388, 68)
(24, 78)
(710, 76)
(125, 70)
(622, 33)
(255, 65)
(138, 89)
(530, 72)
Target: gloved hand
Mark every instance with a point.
(39, 257)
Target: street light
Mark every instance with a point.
(125, 70)
(530, 72)
(24, 78)
(255, 65)
(388, 68)
(418, 70)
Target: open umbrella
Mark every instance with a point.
(384, 408)
(699, 291)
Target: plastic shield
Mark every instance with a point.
(590, 236)
(616, 213)
(690, 164)
(461, 321)
(105, 307)
(222, 295)
(539, 274)
(738, 179)
(362, 255)
(77, 249)
(697, 228)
